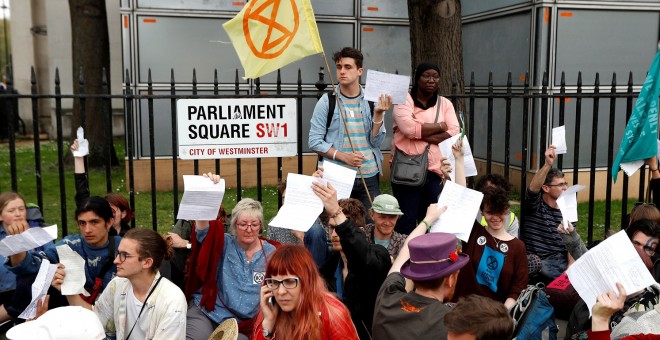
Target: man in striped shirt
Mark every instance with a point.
(543, 217)
(365, 129)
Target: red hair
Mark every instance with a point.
(120, 202)
(306, 323)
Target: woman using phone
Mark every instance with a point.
(295, 303)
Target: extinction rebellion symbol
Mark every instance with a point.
(279, 35)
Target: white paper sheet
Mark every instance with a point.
(341, 178)
(201, 198)
(568, 204)
(631, 167)
(462, 208)
(83, 144)
(39, 288)
(378, 83)
(74, 270)
(613, 260)
(468, 159)
(559, 139)
(27, 240)
(301, 206)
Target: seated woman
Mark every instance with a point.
(13, 211)
(498, 261)
(295, 303)
(226, 270)
(121, 211)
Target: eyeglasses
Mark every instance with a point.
(123, 256)
(649, 250)
(564, 184)
(427, 77)
(644, 203)
(245, 226)
(288, 283)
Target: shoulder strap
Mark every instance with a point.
(437, 109)
(331, 110)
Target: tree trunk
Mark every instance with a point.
(91, 54)
(435, 36)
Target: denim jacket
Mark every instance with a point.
(335, 135)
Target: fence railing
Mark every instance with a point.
(528, 121)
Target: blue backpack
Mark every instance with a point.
(533, 316)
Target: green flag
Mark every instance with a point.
(639, 139)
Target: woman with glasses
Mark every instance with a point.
(226, 271)
(295, 303)
(425, 120)
(138, 303)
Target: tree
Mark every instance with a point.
(436, 36)
(91, 55)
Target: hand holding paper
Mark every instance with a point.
(74, 269)
(613, 260)
(83, 144)
(201, 199)
(301, 206)
(379, 83)
(559, 139)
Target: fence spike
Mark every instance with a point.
(563, 79)
(33, 76)
(215, 78)
(579, 81)
(194, 80)
(172, 83)
(57, 76)
(613, 81)
(597, 82)
(508, 81)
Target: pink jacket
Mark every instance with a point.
(408, 130)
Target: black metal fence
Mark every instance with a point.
(534, 116)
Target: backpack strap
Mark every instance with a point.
(332, 102)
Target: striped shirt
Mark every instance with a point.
(540, 233)
(355, 126)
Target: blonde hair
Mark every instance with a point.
(246, 207)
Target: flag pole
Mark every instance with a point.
(343, 118)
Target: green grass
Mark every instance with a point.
(164, 200)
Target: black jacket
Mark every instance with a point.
(368, 265)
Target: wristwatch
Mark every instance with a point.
(267, 334)
(188, 245)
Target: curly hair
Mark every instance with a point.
(349, 52)
(496, 200)
(496, 180)
(354, 210)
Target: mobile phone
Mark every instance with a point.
(271, 302)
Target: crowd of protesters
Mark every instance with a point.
(369, 267)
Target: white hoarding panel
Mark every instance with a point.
(236, 128)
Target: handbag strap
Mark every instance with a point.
(437, 113)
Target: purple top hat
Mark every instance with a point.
(433, 256)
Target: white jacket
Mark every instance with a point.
(166, 309)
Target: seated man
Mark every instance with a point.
(478, 318)
(643, 234)
(94, 217)
(432, 262)
(356, 268)
(542, 217)
(385, 212)
(138, 301)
